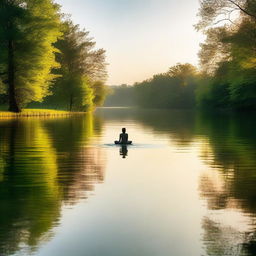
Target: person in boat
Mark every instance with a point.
(123, 138)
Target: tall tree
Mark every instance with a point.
(80, 67)
(213, 12)
(28, 29)
(228, 54)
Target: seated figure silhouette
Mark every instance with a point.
(123, 138)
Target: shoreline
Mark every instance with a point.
(39, 113)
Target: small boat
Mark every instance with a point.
(119, 143)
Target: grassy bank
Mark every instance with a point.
(38, 113)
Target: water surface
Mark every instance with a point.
(187, 186)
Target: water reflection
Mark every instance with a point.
(123, 151)
(229, 184)
(227, 147)
(178, 125)
(43, 163)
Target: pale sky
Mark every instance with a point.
(141, 37)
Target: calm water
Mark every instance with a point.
(186, 187)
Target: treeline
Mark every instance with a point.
(122, 96)
(46, 58)
(173, 89)
(227, 74)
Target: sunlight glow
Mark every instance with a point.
(141, 37)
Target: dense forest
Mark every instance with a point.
(226, 78)
(48, 59)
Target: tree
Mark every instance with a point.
(28, 29)
(120, 96)
(174, 89)
(11, 14)
(80, 67)
(100, 92)
(214, 50)
(213, 12)
(228, 54)
(183, 72)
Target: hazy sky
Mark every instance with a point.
(141, 37)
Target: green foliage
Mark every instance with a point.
(174, 89)
(2, 88)
(41, 55)
(72, 92)
(228, 64)
(100, 92)
(228, 55)
(33, 30)
(121, 96)
(34, 65)
(81, 68)
(212, 94)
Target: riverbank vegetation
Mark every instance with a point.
(226, 78)
(46, 60)
(37, 113)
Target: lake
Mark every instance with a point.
(187, 185)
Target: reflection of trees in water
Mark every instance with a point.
(228, 147)
(224, 240)
(38, 173)
(80, 166)
(228, 143)
(28, 191)
(230, 182)
(79, 172)
(179, 125)
(232, 153)
(215, 191)
(221, 240)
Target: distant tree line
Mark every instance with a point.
(122, 96)
(46, 58)
(174, 89)
(227, 74)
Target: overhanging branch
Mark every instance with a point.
(242, 9)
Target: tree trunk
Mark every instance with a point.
(71, 103)
(13, 105)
